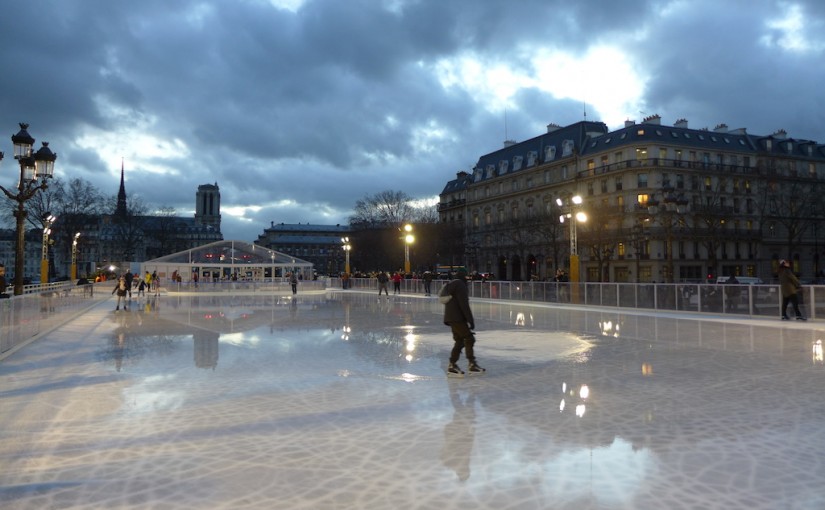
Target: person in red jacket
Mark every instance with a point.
(396, 282)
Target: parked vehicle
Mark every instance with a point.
(743, 280)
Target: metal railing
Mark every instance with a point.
(42, 308)
(750, 300)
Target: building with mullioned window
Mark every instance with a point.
(318, 244)
(663, 204)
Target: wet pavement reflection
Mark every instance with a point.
(340, 400)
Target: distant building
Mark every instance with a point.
(319, 244)
(664, 203)
(116, 239)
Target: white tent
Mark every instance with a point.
(223, 259)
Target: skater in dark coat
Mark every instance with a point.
(789, 286)
(121, 289)
(459, 317)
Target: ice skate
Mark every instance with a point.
(454, 371)
(474, 369)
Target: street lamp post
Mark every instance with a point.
(35, 170)
(347, 247)
(573, 217)
(74, 256)
(408, 240)
(48, 220)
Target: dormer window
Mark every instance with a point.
(549, 153)
(531, 158)
(502, 166)
(517, 162)
(490, 170)
(477, 175)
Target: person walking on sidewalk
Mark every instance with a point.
(789, 285)
(459, 316)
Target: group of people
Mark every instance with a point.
(127, 281)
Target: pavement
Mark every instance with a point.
(339, 400)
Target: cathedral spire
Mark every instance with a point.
(121, 211)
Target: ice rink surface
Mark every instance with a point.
(340, 401)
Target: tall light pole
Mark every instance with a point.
(573, 217)
(74, 256)
(408, 240)
(48, 220)
(35, 170)
(347, 247)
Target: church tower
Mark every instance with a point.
(121, 211)
(208, 205)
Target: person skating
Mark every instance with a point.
(459, 316)
(121, 289)
(789, 286)
(382, 283)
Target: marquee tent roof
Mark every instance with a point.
(230, 253)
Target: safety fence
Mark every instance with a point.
(37, 311)
(750, 300)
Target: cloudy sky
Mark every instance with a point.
(298, 108)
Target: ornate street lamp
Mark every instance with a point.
(408, 240)
(35, 171)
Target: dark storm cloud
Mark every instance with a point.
(296, 115)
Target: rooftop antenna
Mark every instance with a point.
(584, 107)
(505, 123)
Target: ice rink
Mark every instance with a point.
(339, 400)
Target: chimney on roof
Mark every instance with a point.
(509, 143)
(629, 123)
(739, 131)
(721, 128)
(460, 174)
(552, 127)
(653, 119)
(781, 134)
(681, 123)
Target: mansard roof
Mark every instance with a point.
(558, 143)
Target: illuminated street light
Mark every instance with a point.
(48, 220)
(574, 217)
(408, 240)
(347, 247)
(35, 170)
(74, 256)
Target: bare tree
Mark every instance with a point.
(165, 223)
(384, 209)
(550, 234)
(79, 202)
(793, 205)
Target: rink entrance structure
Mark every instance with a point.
(227, 261)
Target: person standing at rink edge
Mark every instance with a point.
(789, 285)
(459, 316)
